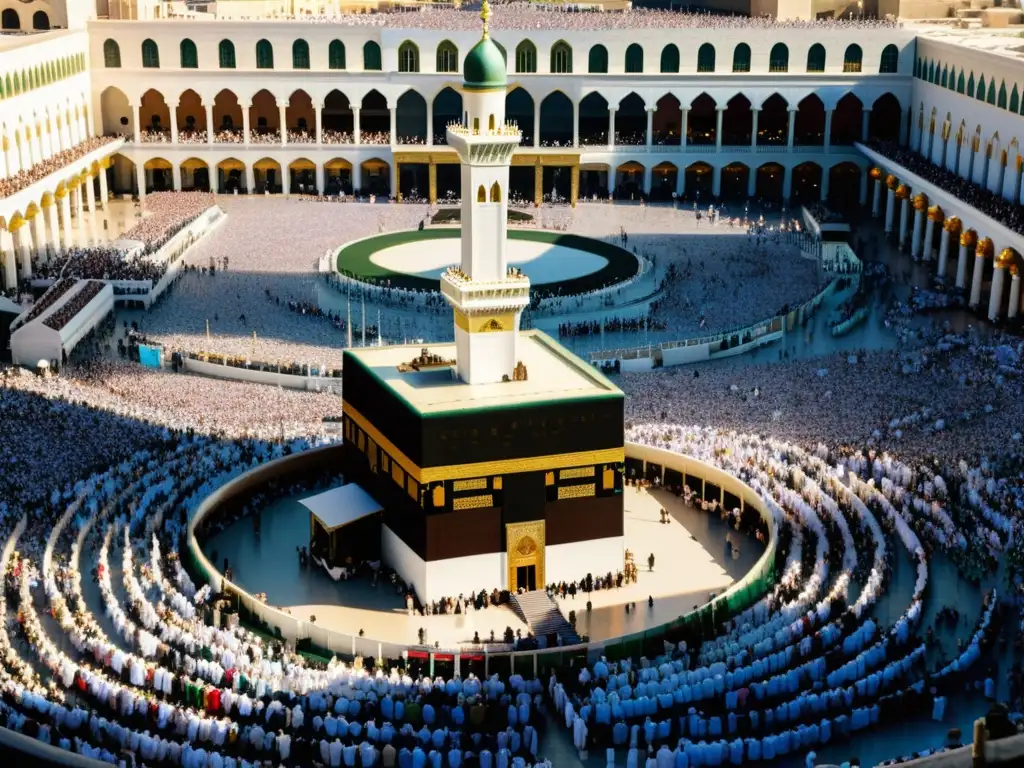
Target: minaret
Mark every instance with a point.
(487, 297)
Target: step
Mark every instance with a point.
(541, 615)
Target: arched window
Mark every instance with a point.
(890, 60)
(853, 59)
(300, 54)
(741, 58)
(371, 56)
(778, 59)
(40, 20)
(670, 59)
(815, 58)
(634, 59)
(1001, 99)
(1014, 100)
(264, 55)
(597, 60)
(336, 55)
(481, 194)
(990, 97)
(951, 83)
(9, 19)
(944, 77)
(495, 193)
(111, 54)
(150, 54)
(561, 58)
(980, 92)
(408, 57)
(960, 87)
(447, 57)
(526, 57)
(226, 54)
(189, 55)
(706, 58)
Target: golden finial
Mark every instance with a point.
(485, 15)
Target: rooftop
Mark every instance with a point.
(1002, 42)
(555, 374)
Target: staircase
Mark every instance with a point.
(542, 616)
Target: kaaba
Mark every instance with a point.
(514, 484)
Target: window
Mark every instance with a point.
(1014, 100)
(960, 87)
(526, 57)
(189, 55)
(561, 58)
(371, 56)
(226, 54)
(890, 60)
(40, 20)
(447, 57)
(300, 54)
(264, 55)
(944, 78)
(741, 58)
(816, 58)
(670, 59)
(597, 60)
(990, 97)
(481, 194)
(408, 57)
(778, 59)
(150, 55)
(853, 59)
(336, 55)
(952, 79)
(706, 58)
(1001, 100)
(980, 93)
(495, 193)
(10, 19)
(634, 59)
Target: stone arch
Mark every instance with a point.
(668, 121)
(706, 58)
(853, 58)
(702, 120)
(810, 122)
(337, 119)
(117, 112)
(189, 54)
(737, 121)
(734, 182)
(376, 177)
(700, 181)
(889, 60)
(806, 186)
(111, 56)
(844, 185)
(773, 121)
(408, 57)
(670, 59)
(520, 109)
(556, 119)
(195, 174)
(337, 176)
(336, 55)
(300, 117)
(264, 54)
(741, 58)
(634, 59)
(597, 60)
(231, 176)
(264, 114)
(526, 57)
(561, 58)
(769, 183)
(267, 175)
(374, 115)
(227, 113)
(9, 20)
(300, 54)
(302, 175)
(446, 58)
(778, 59)
(447, 108)
(411, 118)
(816, 58)
(191, 117)
(594, 120)
(154, 113)
(631, 120)
(226, 55)
(884, 122)
(846, 120)
(371, 56)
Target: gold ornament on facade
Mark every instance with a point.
(902, 192)
(921, 202)
(526, 546)
(935, 213)
(1014, 270)
(952, 225)
(891, 181)
(876, 173)
(968, 238)
(1007, 257)
(985, 248)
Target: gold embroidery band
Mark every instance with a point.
(479, 469)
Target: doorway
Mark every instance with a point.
(526, 578)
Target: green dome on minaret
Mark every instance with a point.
(484, 67)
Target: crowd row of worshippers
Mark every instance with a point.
(26, 177)
(525, 16)
(992, 204)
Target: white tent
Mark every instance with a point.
(341, 506)
(337, 539)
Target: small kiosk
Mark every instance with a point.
(344, 528)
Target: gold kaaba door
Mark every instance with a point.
(525, 548)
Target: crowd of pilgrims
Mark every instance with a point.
(993, 204)
(26, 177)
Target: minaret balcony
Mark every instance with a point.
(463, 292)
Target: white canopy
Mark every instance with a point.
(341, 506)
(9, 307)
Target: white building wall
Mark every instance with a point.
(566, 562)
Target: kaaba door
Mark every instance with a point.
(525, 548)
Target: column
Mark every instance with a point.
(65, 130)
(282, 116)
(876, 199)
(394, 125)
(976, 280)
(684, 127)
(917, 238)
(23, 249)
(929, 238)
(210, 130)
(79, 211)
(961, 264)
(356, 132)
(536, 125)
(647, 179)
(245, 123)
(357, 176)
(140, 180)
(44, 137)
(250, 180)
(138, 128)
(538, 184)
(90, 194)
(864, 179)
(318, 110)
(716, 181)
(890, 209)
(904, 125)
(1014, 292)
(104, 194)
(39, 236)
(825, 184)
(65, 219)
(9, 259)
(752, 182)
(432, 183)
(574, 185)
(944, 238)
(321, 186)
(611, 126)
(865, 124)
(718, 129)
(792, 128)
(995, 298)
(680, 183)
(904, 220)
(173, 110)
(286, 180)
(430, 125)
(650, 127)
(828, 130)
(575, 123)
(394, 172)
(754, 112)
(53, 223)
(176, 176)
(787, 182)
